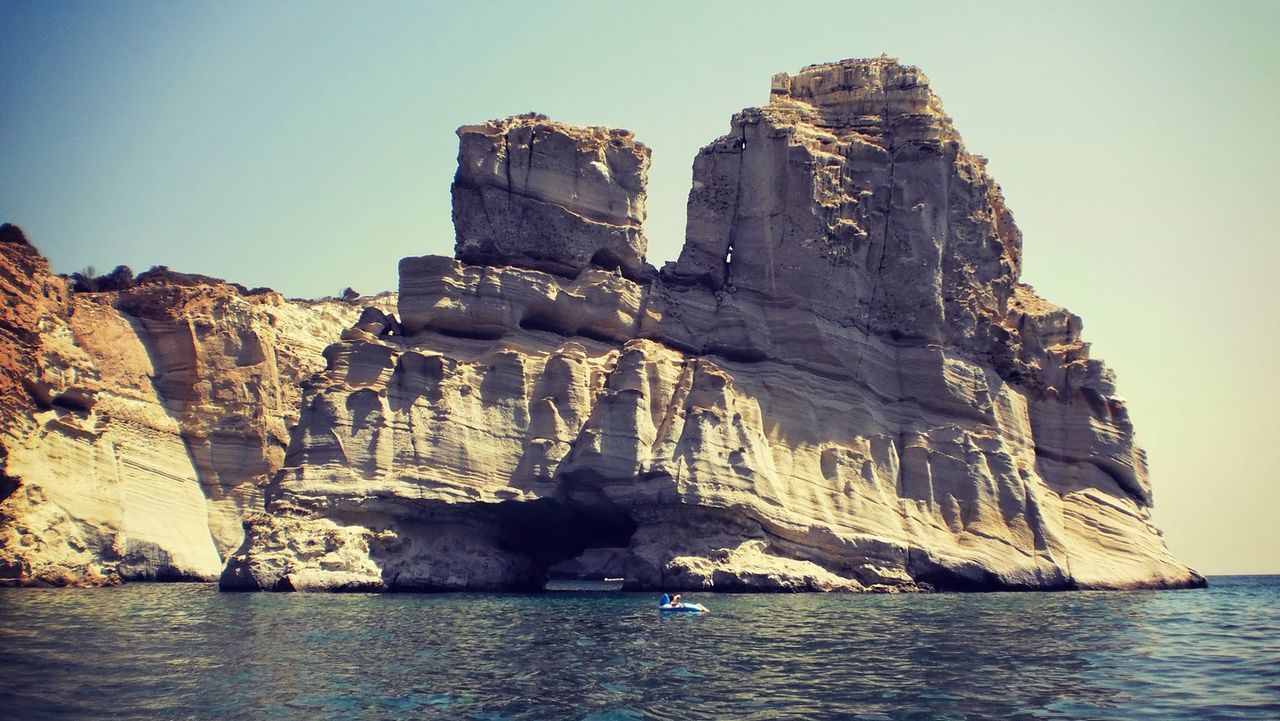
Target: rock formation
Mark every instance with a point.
(139, 426)
(840, 384)
(540, 194)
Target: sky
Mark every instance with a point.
(308, 146)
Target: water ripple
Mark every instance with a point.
(188, 652)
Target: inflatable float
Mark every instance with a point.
(669, 605)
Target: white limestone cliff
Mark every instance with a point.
(140, 425)
(841, 384)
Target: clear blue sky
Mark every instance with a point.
(307, 146)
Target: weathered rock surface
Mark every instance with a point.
(540, 194)
(840, 385)
(141, 425)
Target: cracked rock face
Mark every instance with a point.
(840, 385)
(851, 193)
(540, 194)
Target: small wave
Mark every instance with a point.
(189, 652)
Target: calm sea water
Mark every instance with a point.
(189, 652)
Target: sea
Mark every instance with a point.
(187, 651)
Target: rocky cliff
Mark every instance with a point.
(840, 384)
(139, 425)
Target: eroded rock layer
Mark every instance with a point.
(840, 385)
(141, 425)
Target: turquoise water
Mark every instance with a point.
(189, 652)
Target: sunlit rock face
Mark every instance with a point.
(540, 194)
(140, 425)
(851, 194)
(840, 385)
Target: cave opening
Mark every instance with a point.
(543, 322)
(606, 259)
(550, 532)
(8, 485)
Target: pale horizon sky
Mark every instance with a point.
(308, 146)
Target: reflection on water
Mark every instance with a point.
(189, 652)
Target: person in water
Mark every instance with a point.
(676, 602)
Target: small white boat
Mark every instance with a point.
(576, 584)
